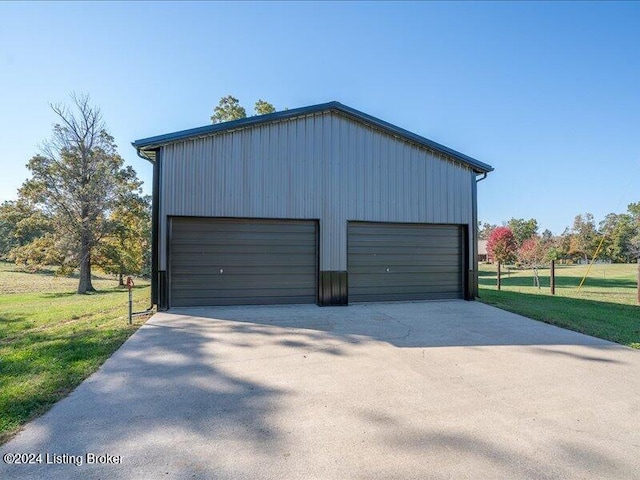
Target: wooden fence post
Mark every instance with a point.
(498, 280)
(638, 283)
(552, 278)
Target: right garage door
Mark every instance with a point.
(390, 261)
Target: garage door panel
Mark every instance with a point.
(244, 282)
(220, 293)
(218, 239)
(204, 301)
(251, 270)
(406, 297)
(406, 289)
(369, 260)
(403, 278)
(404, 252)
(244, 226)
(372, 269)
(239, 251)
(238, 261)
(367, 229)
(407, 253)
(388, 262)
(405, 240)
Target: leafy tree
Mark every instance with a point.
(584, 236)
(77, 180)
(123, 250)
(228, 109)
(634, 210)
(634, 247)
(562, 244)
(533, 253)
(501, 245)
(20, 223)
(45, 250)
(484, 229)
(547, 235)
(263, 108)
(553, 252)
(619, 231)
(523, 229)
(634, 242)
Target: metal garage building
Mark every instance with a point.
(321, 204)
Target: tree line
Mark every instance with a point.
(616, 238)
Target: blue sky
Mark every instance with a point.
(547, 93)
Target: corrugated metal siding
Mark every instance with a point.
(324, 167)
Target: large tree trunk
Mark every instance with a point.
(120, 280)
(84, 285)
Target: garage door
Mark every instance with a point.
(388, 262)
(242, 262)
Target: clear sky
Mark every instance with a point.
(547, 93)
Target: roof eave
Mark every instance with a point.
(150, 144)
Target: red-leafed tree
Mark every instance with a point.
(533, 254)
(501, 245)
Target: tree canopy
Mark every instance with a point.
(125, 248)
(262, 108)
(584, 236)
(484, 229)
(78, 180)
(533, 253)
(523, 229)
(501, 245)
(229, 109)
(20, 224)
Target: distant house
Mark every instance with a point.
(482, 251)
(599, 261)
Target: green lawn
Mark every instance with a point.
(51, 339)
(605, 307)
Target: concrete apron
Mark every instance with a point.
(401, 390)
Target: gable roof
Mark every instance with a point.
(147, 146)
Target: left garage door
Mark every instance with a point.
(242, 262)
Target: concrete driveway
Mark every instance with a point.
(402, 390)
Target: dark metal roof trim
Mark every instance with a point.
(152, 143)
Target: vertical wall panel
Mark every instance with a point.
(323, 166)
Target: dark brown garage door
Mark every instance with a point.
(388, 262)
(242, 262)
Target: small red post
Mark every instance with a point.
(552, 278)
(498, 282)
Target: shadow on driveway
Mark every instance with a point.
(399, 390)
(403, 324)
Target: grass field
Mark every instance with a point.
(605, 307)
(51, 339)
